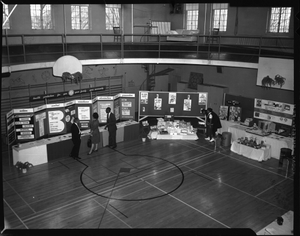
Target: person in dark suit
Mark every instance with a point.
(112, 128)
(213, 123)
(76, 138)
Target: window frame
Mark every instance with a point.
(41, 17)
(80, 6)
(108, 25)
(279, 23)
(191, 8)
(5, 15)
(221, 23)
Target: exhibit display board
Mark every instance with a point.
(82, 109)
(40, 122)
(84, 112)
(70, 113)
(117, 107)
(100, 103)
(56, 118)
(29, 124)
(24, 124)
(178, 104)
(277, 112)
(127, 105)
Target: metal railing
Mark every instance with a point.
(20, 49)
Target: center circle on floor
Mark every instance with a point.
(140, 199)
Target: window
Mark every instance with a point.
(220, 11)
(41, 17)
(280, 20)
(191, 11)
(5, 16)
(112, 12)
(80, 17)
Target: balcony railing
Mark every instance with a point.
(22, 49)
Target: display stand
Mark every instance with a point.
(125, 106)
(100, 103)
(56, 119)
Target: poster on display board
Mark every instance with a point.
(56, 118)
(178, 104)
(100, 103)
(24, 124)
(117, 107)
(84, 112)
(70, 113)
(273, 111)
(235, 113)
(10, 127)
(127, 106)
(40, 122)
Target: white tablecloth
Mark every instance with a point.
(275, 141)
(252, 153)
(178, 136)
(225, 125)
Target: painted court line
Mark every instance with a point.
(188, 205)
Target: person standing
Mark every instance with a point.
(213, 123)
(112, 128)
(95, 134)
(76, 138)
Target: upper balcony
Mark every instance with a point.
(41, 48)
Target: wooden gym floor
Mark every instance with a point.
(159, 184)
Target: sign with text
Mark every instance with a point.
(66, 93)
(277, 112)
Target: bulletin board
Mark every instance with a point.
(178, 104)
(246, 105)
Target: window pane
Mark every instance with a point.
(80, 17)
(35, 12)
(280, 20)
(46, 16)
(5, 16)
(75, 18)
(112, 17)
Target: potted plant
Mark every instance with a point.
(23, 166)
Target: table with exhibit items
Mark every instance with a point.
(175, 130)
(274, 140)
(48, 149)
(261, 154)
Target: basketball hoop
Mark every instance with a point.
(68, 68)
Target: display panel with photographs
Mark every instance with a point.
(178, 104)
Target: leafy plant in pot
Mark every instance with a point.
(23, 166)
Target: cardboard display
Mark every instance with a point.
(127, 106)
(100, 103)
(56, 118)
(24, 124)
(40, 122)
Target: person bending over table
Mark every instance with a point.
(112, 128)
(213, 123)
